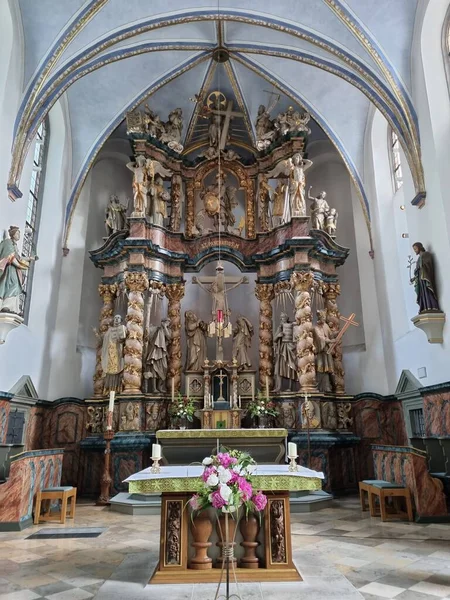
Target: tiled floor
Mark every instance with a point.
(341, 553)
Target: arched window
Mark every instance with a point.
(31, 229)
(396, 165)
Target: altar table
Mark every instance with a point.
(180, 447)
(265, 555)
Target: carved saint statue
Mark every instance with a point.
(140, 184)
(323, 338)
(12, 266)
(278, 204)
(196, 341)
(284, 353)
(172, 130)
(116, 216)
(294, 168)
(214, 130)
(112, 355)
(331, 222)
(424, 280)
(242, 341)
(319, 210)
(264, 193)
(155, 362)
(176, 202)
(159, 198)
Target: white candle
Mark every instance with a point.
(156, 451)
(112, 395)
(173, 389)
(267, 387)
(239, 402)
(253, 389)
(292, 449)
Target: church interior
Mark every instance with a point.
(224, 357)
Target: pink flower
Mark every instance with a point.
(224, 459)
(195, 502)
(234, 477)
(245, 488)
(216, 499)
(207, 472)
(259, 500)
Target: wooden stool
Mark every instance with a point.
(364, 488)
(46, 495)
(383, 490)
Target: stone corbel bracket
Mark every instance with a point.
(8, 322)
(432, 323)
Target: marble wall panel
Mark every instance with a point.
(403, 466)
(34, 470)
(436, 409)
(319, 462)
(91, 472)
(123, 465)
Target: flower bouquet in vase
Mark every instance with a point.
(181, 410)
(262, 409)
(226, 485)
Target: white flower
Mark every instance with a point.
(180, 405)
(251, 469)
(224, 474)
(236, 469)
(229, 509)
(212, 480)
(225, 492)
(207, 461)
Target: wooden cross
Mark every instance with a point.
(348, 321)
(229, 114)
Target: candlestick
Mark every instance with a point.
(253, 389)
(112, 395)
(267, 387)
(239, 401)
(109, 420)
(173, 389)
(293, 464)
(156, 451)
(155, 466)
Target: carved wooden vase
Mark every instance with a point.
(249, 527)
(201, 530)
(220, 528)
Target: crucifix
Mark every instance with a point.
(221, 377)
(347, 322)
(227, 114)
(220, 325)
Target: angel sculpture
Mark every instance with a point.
(294, 200)
(144, 171)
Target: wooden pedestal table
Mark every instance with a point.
(185, 558)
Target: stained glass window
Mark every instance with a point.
(395, 161)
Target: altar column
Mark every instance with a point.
(306, 362)
(174, 293)
(136, 283)
(190, 208)
(265, 294)
(331, 292)
(107, 292)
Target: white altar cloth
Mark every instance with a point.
(194, 471)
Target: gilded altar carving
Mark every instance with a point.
(175, 293)
(344, 413)
(277, 532)
(310, 414)
(190, 208)
(329, 415)
(136, 283)
(155, 415)
(130, 416)
(331, 292)
(265, 294)
(302, 283)
(95, 418)
(107, 293)
(173, 532)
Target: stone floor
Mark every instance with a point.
(341, 553)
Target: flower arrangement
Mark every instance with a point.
(262, 407)
(226, 484)
(182, 408)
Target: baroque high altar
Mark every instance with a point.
(223, 202)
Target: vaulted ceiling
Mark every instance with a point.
(332, 57)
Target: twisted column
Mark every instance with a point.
(174, 293)
(265, 294)
(107, 292)
(306, 365)
(136, 283)
(190, 208)
(331, 292)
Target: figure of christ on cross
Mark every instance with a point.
(348, 321)
(218, 289)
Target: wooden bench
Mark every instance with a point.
(46, 495)
(383, 490)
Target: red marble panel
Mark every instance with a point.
(408, 468)
(436, 409)
(27, 475)
(5, 407)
